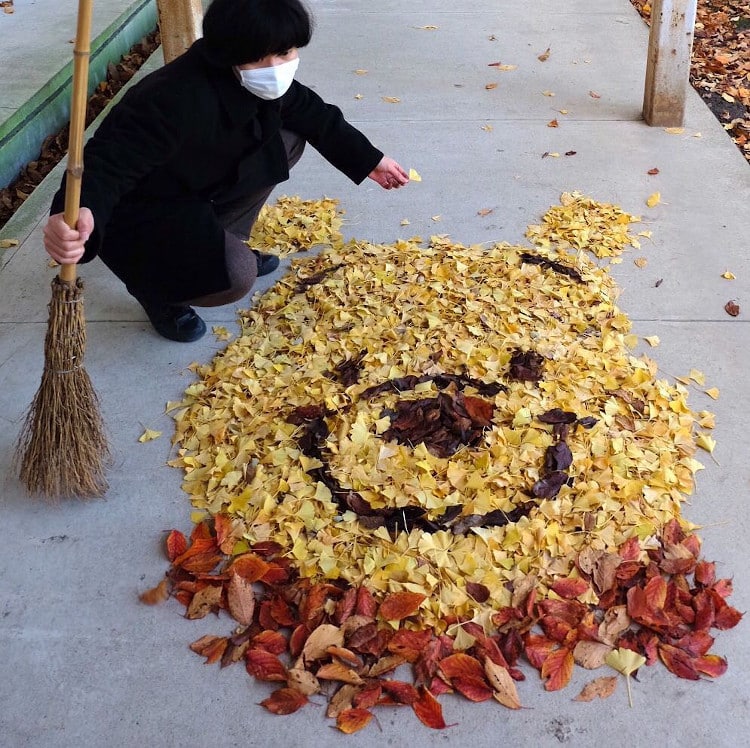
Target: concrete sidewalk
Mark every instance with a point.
(87, 665)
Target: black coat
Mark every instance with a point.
(185, 138)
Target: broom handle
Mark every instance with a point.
(81, 53)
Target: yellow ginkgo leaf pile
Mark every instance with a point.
(582, 223)
(293, 224)
(406, 309)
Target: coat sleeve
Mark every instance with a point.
(324, 127)
(138, 135)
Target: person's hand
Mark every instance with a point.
(388, 174)
(64, 244)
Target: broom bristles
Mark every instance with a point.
(62, 450)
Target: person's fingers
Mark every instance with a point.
(62, 243)
(85, 224)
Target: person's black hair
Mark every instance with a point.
(239, 31)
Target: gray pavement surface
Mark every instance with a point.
(85, 664)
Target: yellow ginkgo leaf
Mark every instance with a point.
(641, 262)
(713, 393)
(8, 243)
(704, 441)
(652, 340)
(729, 276)
(653, 199)
(414, 176)
(674, 130)
(149, 435)
(221, 332)
(391, 99)
(405, 221)
(697, 376)
(625, 661)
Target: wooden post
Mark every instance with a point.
(179, 25)
(668, 68)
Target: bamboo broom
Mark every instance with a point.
(62, 449)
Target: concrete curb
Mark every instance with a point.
(46, 111)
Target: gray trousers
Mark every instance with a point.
(237, 218)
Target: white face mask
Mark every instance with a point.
(269, 83)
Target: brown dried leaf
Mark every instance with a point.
(240, 599)
(303, 681)
(341, 701)
(203, 602)
(601, 688)
(385, 665)
(732, 308)
(591, 655)
(320, 640)
(503, 685)
(346, 656)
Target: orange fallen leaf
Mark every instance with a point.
(557, 669)
(428, 710)
(474, 689)
(210, 647)
(461, 665)
(250, 567)
(545, 55)
(553, 123)
(272, 641)
(352, 720)
(264, 665)
(155, 595)
(490, 86)
(400, 605)
(339, 672)
(653, 172)
(569, 589)
(403, 693)
(284, 701)
(176, 544)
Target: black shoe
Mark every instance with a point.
(175, 321)
(266, 263)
